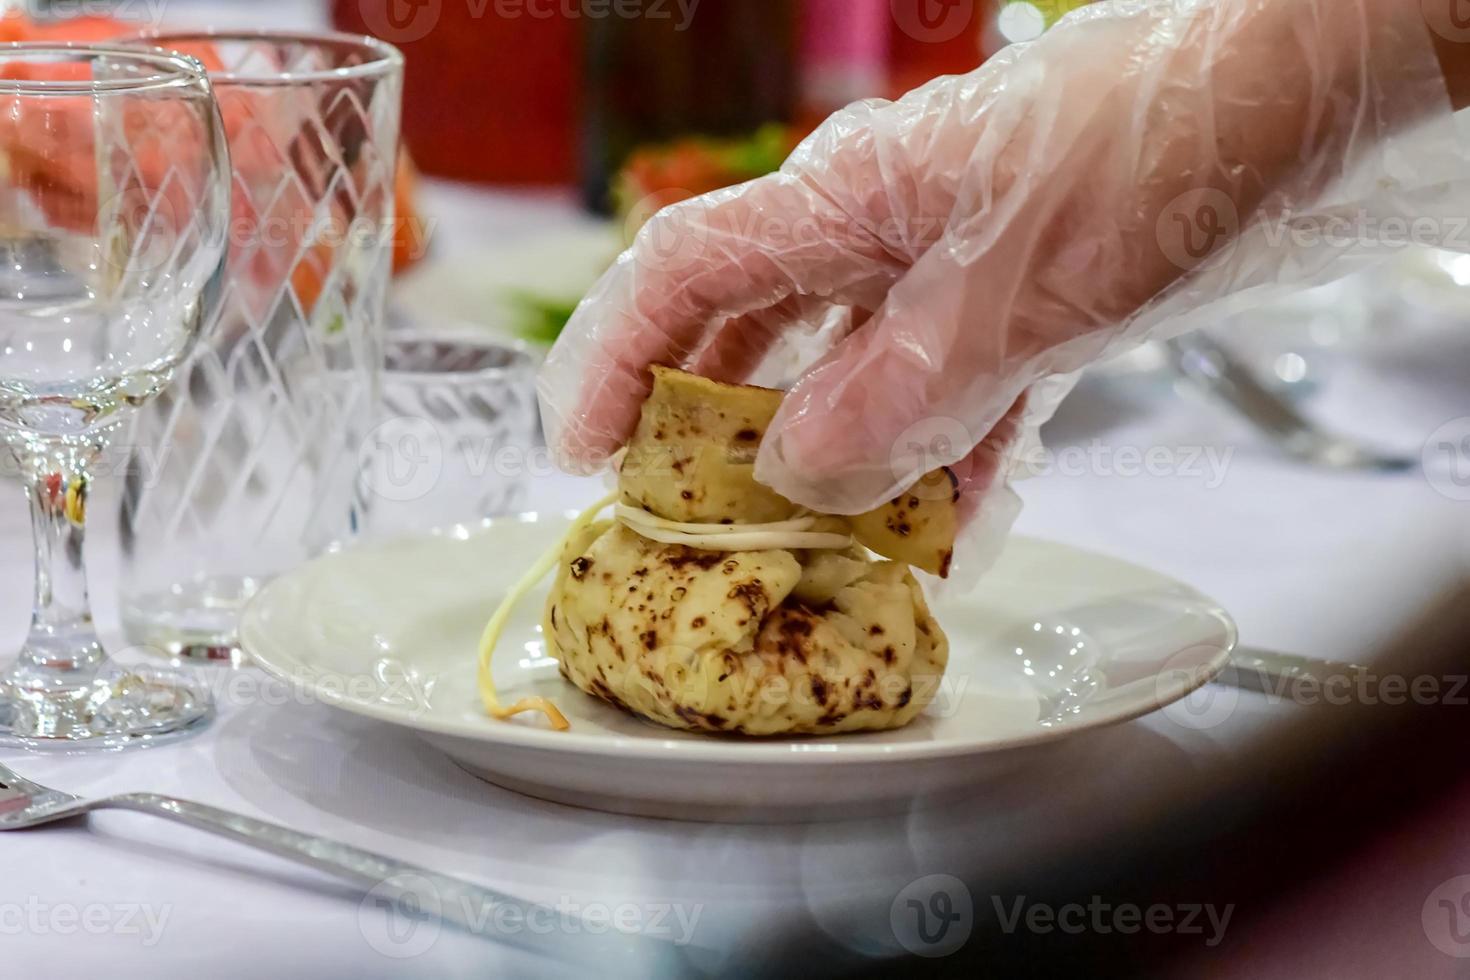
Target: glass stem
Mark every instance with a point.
(62, 649)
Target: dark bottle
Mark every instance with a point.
(680, 68)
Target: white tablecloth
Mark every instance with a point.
(1310, 562)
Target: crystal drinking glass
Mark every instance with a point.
(249, 465)
(114, 204)
(458, 441)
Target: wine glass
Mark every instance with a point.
(114, 212)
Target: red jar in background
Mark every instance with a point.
(490, 90)
(936, 37)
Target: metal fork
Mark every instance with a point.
(1276, 674)
(411, 889)
(1217, 372)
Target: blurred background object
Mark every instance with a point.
(550, 93)
(637, 111)
(1016, 21)
(844, 54)
(726, 70)
(487, 97)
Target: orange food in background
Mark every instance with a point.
(16, 26)
(656, 176)
(410, 238)
(50, 163)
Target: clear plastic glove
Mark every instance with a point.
(967, 247)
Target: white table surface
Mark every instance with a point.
(1313, 563)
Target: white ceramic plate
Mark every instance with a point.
(1054, 642)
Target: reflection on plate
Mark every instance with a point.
(1054, 642)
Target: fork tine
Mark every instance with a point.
(21, 798)
(10, 779)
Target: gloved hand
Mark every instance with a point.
(970, 244)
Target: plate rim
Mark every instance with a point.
(787, 749)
